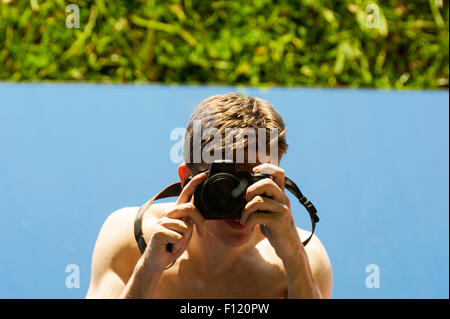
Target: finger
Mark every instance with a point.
(171, 241)
(165, 236)
(179, 248)
(260, 203)
(260, 219)
(189, 223)
(265, 187)
(190, 188)
(177, 225)
(188, 210)
(169, 247)
(276, 172)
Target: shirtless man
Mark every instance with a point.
(214, 258)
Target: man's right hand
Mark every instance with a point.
(174, 229)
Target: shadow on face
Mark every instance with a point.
(231, 233)
(227, 232)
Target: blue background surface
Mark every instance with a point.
(374, 163)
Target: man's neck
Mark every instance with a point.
(212, 256)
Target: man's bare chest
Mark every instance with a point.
(262, 282)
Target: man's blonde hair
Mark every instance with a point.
(231, 111)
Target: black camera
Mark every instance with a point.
(222, 196)
(222, 193)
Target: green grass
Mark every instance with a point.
(326, 43)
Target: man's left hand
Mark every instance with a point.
(267, 204)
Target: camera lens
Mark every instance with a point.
(218, 196)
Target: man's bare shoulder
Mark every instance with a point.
(317, 254)
(319, 262)
(315, 250)
(121, 222)
(129, 213)
(116, 247)
(317, 257)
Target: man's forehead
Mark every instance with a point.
(246, 166)
(239, 166)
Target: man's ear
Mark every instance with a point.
(184, 172)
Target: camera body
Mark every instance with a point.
(222, 196)
(222, 193)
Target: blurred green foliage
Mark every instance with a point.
(327, 43)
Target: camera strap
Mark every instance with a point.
(170, 191)
(175, 189)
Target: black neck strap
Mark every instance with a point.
(176, 188)
(170, 191)
(293, 188)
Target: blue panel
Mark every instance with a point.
(375, 164)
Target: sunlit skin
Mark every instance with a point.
(214, 259)
(219, 230)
